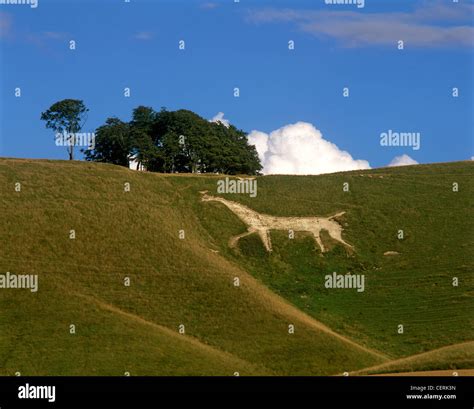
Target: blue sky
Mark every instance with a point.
(245, 45)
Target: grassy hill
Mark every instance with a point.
(436, 360)
(190, 281)
(413, 288)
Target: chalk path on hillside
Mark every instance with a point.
(414, 358)
(223, 355)
(443, 372)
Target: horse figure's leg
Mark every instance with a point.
(336, 234)
(235, 239)
(317, 237)
(264, 234)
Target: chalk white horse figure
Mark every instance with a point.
(263, 223)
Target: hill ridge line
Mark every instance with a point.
(410, 357)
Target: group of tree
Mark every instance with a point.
(164, 141)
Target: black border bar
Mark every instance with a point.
(241, 392)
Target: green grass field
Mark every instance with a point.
(190, 281)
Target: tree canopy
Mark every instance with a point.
(66, 117)
(175, 141)
(113, 143)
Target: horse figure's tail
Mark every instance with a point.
(205, 197)
(336, 215)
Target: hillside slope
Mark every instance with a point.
(438, 359)
(135, 234)
(189, 281)
(413, 288)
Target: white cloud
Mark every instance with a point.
(220, 118)
(429, 24)
(403, 160)
(300, 149)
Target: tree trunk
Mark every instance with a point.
(72, 142)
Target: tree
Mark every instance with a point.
(141, 130)
(175, 141)
(143, 118)
(113, 143)
(66, 117)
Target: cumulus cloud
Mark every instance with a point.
(403, 160)
(219, 118)
(300, 149)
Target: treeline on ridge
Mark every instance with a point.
(174, 142)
